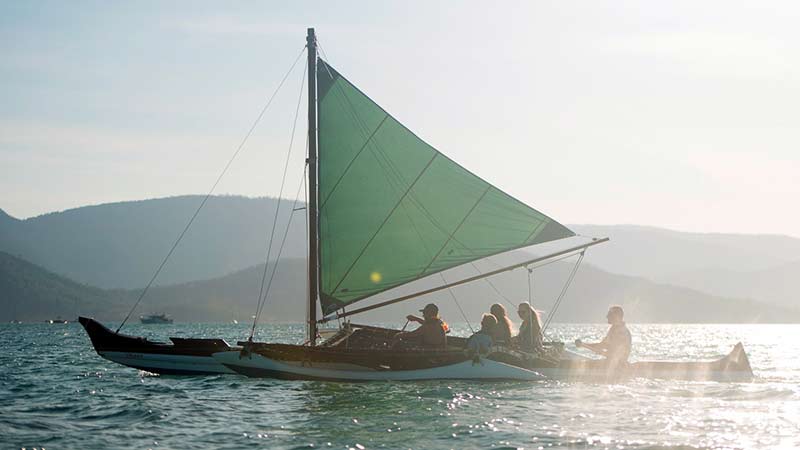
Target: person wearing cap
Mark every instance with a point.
(530, 337)
(616, 346)
(432, 332)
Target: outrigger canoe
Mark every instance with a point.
(385, 209)
(363, 353)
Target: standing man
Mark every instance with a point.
(616, 346)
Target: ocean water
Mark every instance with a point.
(56, 393)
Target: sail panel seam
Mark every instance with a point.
(458, 227)
(350, 164)
(385, 220)
(536, 229)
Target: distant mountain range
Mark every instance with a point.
(659, 253)
(777, 285)
(31, 293)
(119, 245)
(761, 267)
(664, 275)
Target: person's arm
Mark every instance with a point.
(601, 348)
(597, 347)
(407, 334)
(413, 318)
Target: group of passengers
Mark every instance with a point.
(496, 329)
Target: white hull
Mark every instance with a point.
(167, 364)
(256, 365)
(603, 376)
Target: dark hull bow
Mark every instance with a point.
(180, 357)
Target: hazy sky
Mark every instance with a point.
(675, 114)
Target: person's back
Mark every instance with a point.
(618, 342)
(501, 332)
(530, 337)
(433, 334)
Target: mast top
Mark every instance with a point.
(311, 37)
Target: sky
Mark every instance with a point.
(673, 114)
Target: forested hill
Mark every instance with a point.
(118, 245)
(30, 293)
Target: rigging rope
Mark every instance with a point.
(563, 292)
(275, 265)
(455, 300)
(211, 191)
(535, 266)
(280, 202)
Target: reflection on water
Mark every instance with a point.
(56, 392)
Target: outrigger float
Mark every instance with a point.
(386, 209)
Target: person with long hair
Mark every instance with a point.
(501, 334)
(530, 338)
(480, 343)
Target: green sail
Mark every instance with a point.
(392, 209)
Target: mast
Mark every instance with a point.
(313, 222)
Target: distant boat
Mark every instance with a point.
(15, 322)
(57, 320)
(156, 318)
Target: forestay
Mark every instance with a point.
(392, 209)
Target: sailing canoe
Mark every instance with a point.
(364, 353)
(386, 209)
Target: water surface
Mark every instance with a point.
(55, 392)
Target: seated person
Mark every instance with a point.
(481, 341)
(616, 346)
(432, 332)
(530, 337)
(501, 334)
